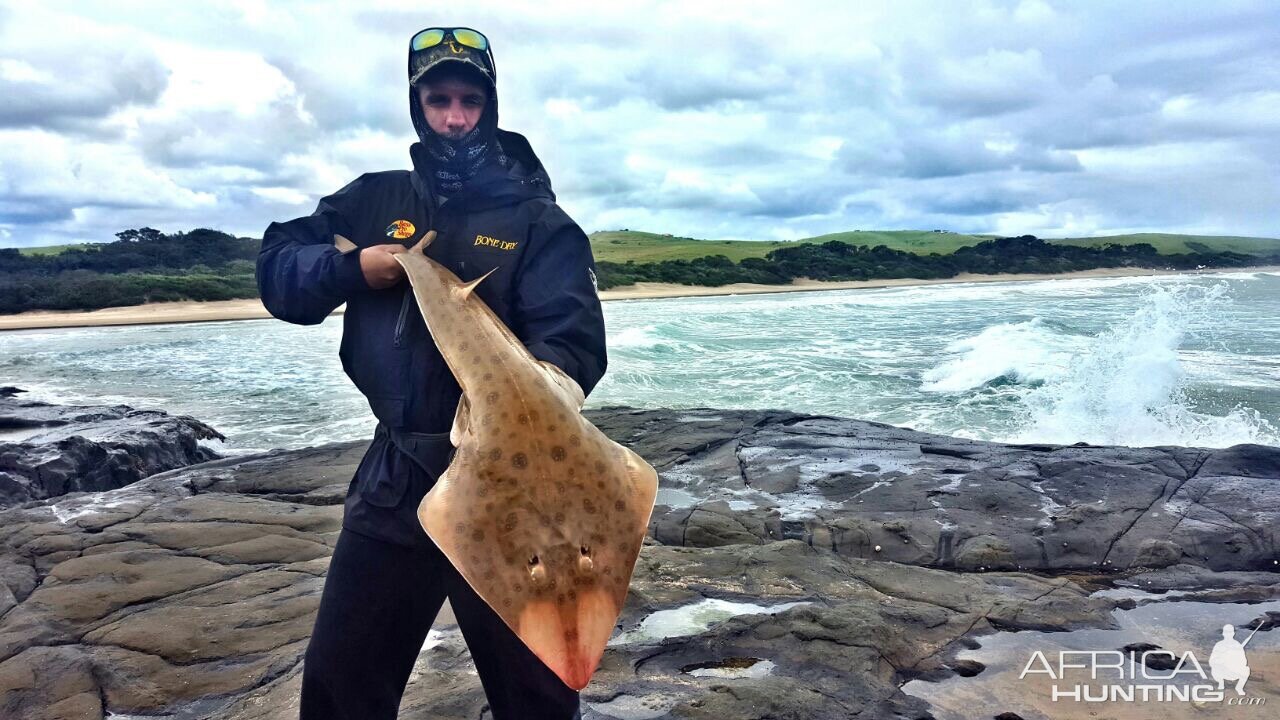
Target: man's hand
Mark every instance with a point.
(380, 269)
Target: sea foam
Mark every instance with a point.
(1025, 352)
(1128, 384)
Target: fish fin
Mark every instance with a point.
(461, 421)
(343, 244)
(644, 479)
(426, 240)
(465, 291)
(571, 389)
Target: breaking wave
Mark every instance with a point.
(1025, 352)
(1128, 385)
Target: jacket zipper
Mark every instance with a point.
(404, 313)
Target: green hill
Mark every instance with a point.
(623, 245)
(1168, 244)
(50, 249)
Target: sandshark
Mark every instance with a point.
(540, 512)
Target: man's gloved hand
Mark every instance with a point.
(380, 269)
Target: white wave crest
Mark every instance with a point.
(636, 337)
(1021, 351)
(1127, 386)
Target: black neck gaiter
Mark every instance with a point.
(455, 162)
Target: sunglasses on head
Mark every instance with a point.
(432, 37)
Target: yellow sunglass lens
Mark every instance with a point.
(426, 39)
(471, 39)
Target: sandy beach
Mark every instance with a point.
(252, 309)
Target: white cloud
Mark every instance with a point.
(747, 120)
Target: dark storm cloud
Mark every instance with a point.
(33, 211)
(52, 90)
(984, 201)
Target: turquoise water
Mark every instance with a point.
(1176, 360)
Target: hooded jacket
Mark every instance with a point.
(505, 218)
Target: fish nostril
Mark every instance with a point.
(586, 551)
(533, 561)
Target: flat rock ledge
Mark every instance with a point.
(49, 450)
(798, 567)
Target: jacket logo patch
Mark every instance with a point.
(400, 229)
(486, 241)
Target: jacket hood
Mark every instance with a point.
(451, 54)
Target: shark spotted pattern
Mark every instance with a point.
(540, 512)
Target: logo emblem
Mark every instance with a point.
(400, 229)
(1130, 675)
(486, 241)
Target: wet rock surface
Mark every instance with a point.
(760, 594)
(49, 450)
(869, 490)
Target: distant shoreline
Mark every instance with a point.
(251, 309)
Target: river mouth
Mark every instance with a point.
(1015, 674)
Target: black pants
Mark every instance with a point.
(379, 601)
(386, 583)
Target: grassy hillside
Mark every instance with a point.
(920, 242)
(623, 245)
(1167, 244)
(48, 249)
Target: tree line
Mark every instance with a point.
(146, 265)
(835, 260)
(142, 265)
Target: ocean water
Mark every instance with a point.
(1161, 360)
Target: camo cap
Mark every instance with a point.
(449, 50)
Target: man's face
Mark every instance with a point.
(452, 106)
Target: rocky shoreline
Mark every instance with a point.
(50, 450)
(797, 567)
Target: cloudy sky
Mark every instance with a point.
(710, 119)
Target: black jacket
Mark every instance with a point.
(505, 218)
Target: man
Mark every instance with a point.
(1227, 661)
(487, 195)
